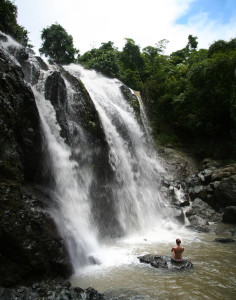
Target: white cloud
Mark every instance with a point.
(207, 30)
(92, 22)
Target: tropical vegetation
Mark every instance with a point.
(58, 45)
(9, 25)
(189, 95)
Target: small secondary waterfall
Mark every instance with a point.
(71, 192)
(124, 167)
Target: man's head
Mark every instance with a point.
(178, 242)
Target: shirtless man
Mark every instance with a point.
(177, 251)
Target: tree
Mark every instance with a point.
(58, 45)
(131, 55)
(8, 23)
(192, 43)
(104, 59)
(132, 63)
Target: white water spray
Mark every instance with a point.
(136, 196)
(72, 211)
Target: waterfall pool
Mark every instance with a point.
(121, 276)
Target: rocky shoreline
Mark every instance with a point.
(203, 192)
(50, 290)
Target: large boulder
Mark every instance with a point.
(225, 192)
(201, 209)
(229, 215)
(198, 191)
(165, 262)
(223, 172)
(30, 246)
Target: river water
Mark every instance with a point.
(121, 276)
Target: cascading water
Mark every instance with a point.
(72, 212)
(71, 207)
(134, 200)
(135, 189)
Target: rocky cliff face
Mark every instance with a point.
(30, 247)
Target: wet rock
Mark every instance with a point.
(55, 91)
(223, 172)
(20, 136)
(178, 214)
(93, 260)
(201, 176)
(3, 37)
(30, 246)
(197, 221)
(42, 64)
(165, 262)
(225, 193)
(229, 215)
(185, 203)
(132, 99)
(209, 163)
(50, 290)
(200, 213)
(224, 240)
(198, 191)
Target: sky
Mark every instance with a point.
(92, 22)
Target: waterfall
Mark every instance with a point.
(136, 196)
(111, 184)
(72, 211)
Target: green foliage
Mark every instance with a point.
(218, 46)
(179, 56)
(192, 43)
(168, 140)
(191, 94)
(8, 23)
(132, 62)
(58, 45)
(104, 59)
(131, 56)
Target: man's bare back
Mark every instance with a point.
(177, 251)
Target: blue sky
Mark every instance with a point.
(222, 10)
(91, 22)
